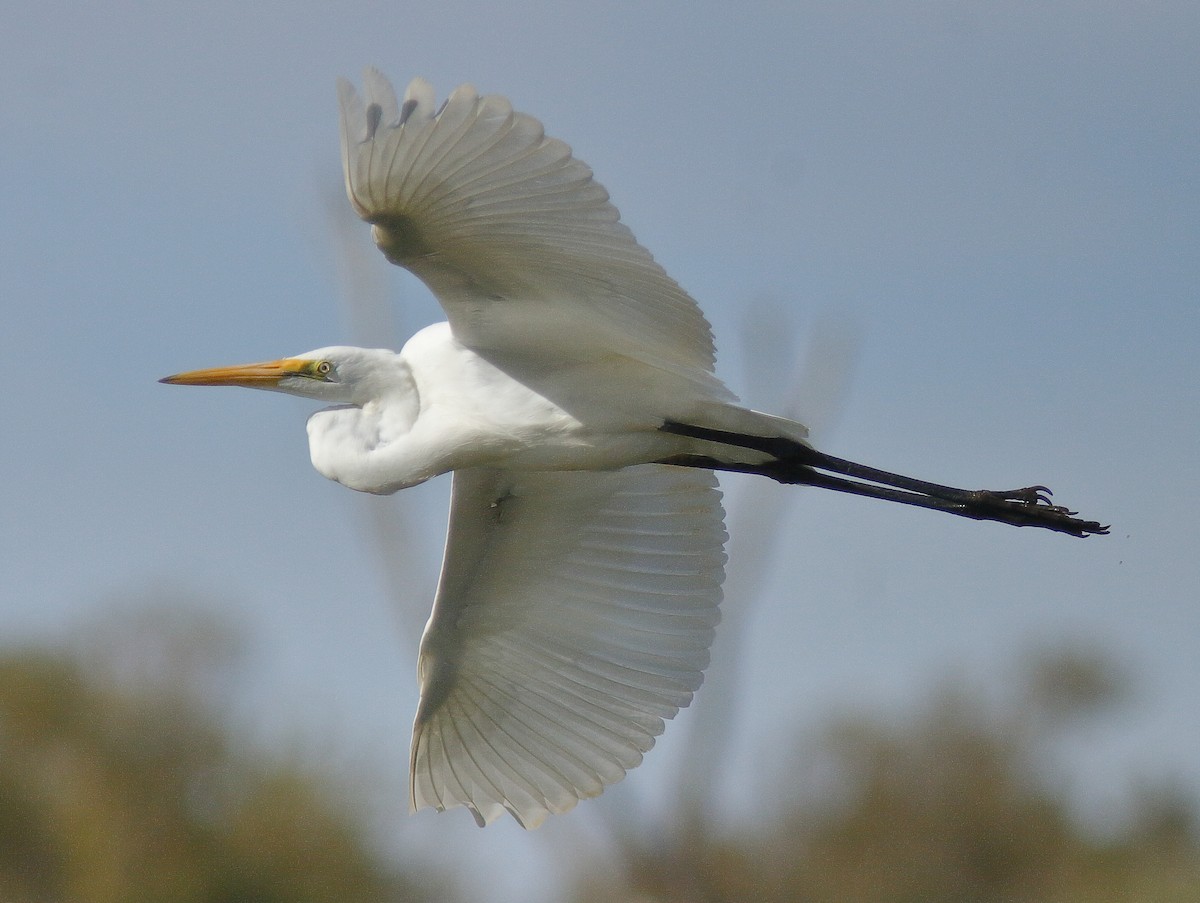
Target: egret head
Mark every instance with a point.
(341, 375)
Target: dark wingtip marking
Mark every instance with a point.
(407, 110)
(374, 114)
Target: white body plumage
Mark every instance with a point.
(439, 406)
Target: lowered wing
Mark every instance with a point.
(574, 614)
(511, 233)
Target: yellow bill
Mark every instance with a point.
(254, 376)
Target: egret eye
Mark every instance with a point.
(323, 368)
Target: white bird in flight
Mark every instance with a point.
(572, 394)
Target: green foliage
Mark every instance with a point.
(949, 806)
(129, 791)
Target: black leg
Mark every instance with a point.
(796, 463)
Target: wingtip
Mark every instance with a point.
(353, 111)
(419, 100)
(418, 83)
(381, 95)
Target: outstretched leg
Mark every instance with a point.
(797, 463)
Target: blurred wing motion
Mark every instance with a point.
(510, 232)
(575, 613)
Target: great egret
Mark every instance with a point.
(572, 394)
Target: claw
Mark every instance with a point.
(1034, 495)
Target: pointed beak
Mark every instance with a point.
(253, 376)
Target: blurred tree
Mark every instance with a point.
(119, 782)
(950, 806)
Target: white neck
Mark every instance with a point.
(369, 447)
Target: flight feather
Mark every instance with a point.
(574, 614)
(510, 231)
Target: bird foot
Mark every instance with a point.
(1030, 507)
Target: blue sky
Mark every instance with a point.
(998, 201)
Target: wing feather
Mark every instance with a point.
(575, 614)
(515, 238)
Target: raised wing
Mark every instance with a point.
(575, 613)
(515, 238)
